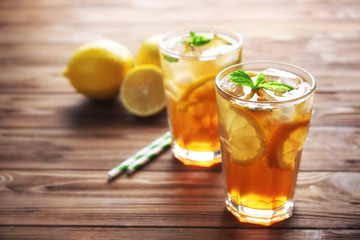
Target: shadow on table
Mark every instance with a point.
(99, 114)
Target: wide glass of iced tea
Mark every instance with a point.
(264, 115)
(191, 58)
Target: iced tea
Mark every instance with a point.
(189, 72)
(262, 134)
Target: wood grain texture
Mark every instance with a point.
(73, 111)
(323, 200)
(102, 148)
(56, 146)
(31, 232)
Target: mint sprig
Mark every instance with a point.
(241, 77)
(197, 40)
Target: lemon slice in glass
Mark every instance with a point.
(246, 142)
(198, 91)
(294, 135)
(142, 91)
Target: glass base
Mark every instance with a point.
(259, 216)
(194, 158)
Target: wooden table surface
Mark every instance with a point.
(56, 146)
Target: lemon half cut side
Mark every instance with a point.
(142, 92)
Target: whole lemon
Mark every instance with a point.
(149, 51)
(97, 68)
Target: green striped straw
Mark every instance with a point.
(144, 152)
(154, 152)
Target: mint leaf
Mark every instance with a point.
(242, 78)
(275, 86)
(260, 79)
(198, 40)
(170, 59)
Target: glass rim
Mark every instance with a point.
(239, 99)
(178, 31)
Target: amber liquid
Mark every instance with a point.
(191, 104)
(269, 182)
(194, 121)
(264, 185)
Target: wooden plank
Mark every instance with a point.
(67, 110)
(34, 79)
(321, 49)
(74, 111)
(187, 199)
(39, 232)
(116, 10)
(317, 38)
(326, 148)
(56, 147)
(64, 3)
(29, 79)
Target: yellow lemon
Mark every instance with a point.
(142, 92)
(149, 51)
(97, 68)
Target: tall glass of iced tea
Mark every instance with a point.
(191, 58)
(264, 115)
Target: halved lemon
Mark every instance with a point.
(246, 142)
(292, 141)
(142, 91)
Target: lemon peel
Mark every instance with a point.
(149, 51)
(97, 69)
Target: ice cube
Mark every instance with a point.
(231, 87)
(217, 45)
(285, 114)
(183, 78)
(273, 74)
(302, 89)
(217, 41)
(227, 60)
(172, 90)
(266, 95)
(187, 49)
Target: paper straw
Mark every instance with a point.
(143, 152)
(149, 156)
